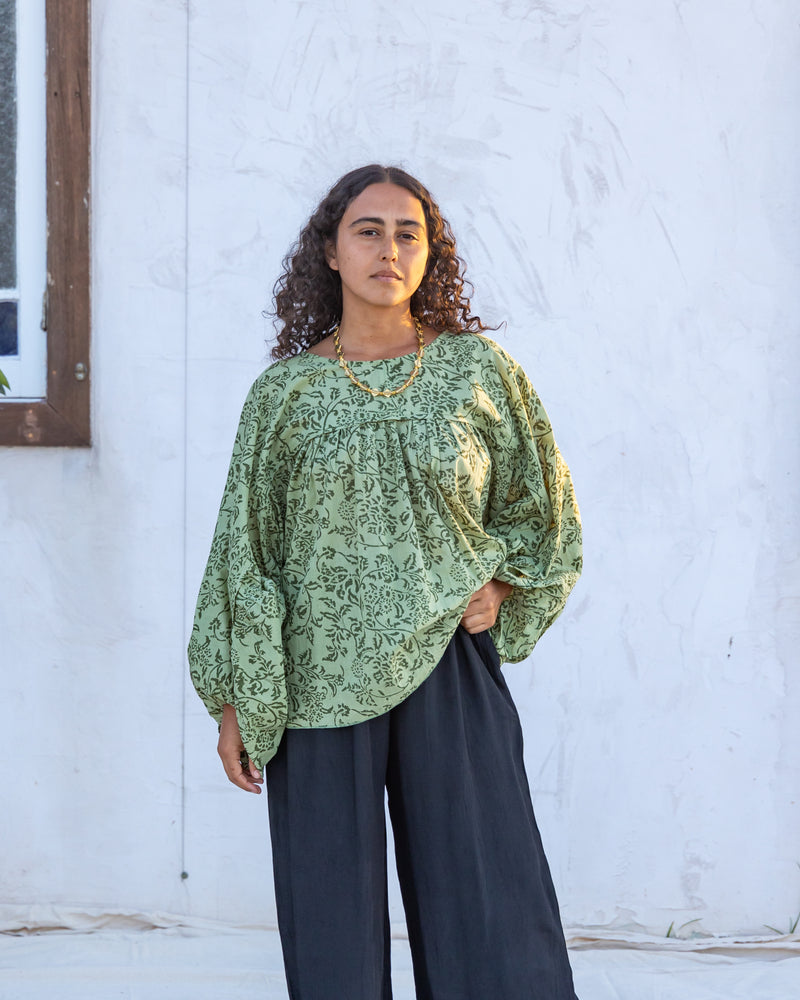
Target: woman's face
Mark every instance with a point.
(381, 248)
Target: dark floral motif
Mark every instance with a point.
(354, 529)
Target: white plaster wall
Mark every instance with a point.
(622, 180)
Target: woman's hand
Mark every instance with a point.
(233, 755)
(481, 612)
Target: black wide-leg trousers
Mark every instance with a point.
(482, 915)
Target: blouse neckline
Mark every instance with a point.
(372, 361)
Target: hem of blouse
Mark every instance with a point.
(407, 694)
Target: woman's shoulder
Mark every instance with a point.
(267, 395)
(279, 377)
(484, 350)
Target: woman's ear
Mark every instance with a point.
(330, 255)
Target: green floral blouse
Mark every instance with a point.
(354, 529)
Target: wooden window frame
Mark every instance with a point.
(63, 417)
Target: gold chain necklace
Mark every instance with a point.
(383, 392)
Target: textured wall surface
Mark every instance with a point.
(622, 181)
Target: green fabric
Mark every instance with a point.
(354, 529)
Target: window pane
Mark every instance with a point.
(8, 144)
(8, 328)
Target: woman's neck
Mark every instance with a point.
(367, 334)
(371, 347)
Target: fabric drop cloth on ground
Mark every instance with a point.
(69, 955)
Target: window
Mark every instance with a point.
(52, 391)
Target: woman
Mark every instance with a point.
(397, 522)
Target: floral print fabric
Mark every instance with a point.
(354, 529)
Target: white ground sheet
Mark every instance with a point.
(114, 957)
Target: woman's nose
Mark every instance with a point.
(389, 250)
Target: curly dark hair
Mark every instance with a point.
(308, 294)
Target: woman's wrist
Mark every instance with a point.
(505, 588)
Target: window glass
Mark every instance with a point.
(8, 178)
(8, 328)
(8, 145)
(23, 223)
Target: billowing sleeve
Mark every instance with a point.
(532, 510)
(235, 649)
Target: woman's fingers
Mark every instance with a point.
(474, 625)
(474, 619)
(243, 774)
(481, 612)
(477, 617)
(240, 769)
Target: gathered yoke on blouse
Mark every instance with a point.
(354, 530)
